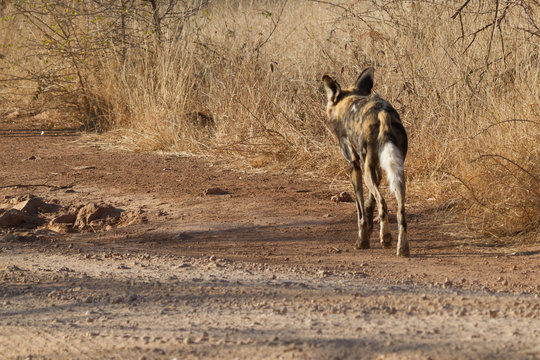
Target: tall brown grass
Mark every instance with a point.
(241, 80)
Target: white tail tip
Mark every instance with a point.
(391, 162)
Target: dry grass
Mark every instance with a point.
(241, 80)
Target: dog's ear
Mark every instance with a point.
(332, 88)
(364, 84)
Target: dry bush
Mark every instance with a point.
(241, 80)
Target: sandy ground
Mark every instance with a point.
(196, 260)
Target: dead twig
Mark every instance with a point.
(508, 160)
(495, 21)
(458, 11)
(503, 122)
(471, 191)
(276, 23)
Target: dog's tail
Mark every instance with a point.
(390, 157)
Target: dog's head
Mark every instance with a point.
(336, 94)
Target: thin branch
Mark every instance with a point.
(261, 123)
(276, 23)
(493, 30)
(215, 52)
(335, 5)
(503, 122)
(468, 187)
(510, 161)
(537, 33)
(458, 11)
(475, 34)
(461, 26)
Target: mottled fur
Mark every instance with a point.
(372, 138)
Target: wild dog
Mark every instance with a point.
(372, 138)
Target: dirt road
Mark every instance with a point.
(137, 255)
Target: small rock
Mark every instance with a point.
(493, 313)
(13, 218)
(34, 205)
(117, 299)
(219, 341)
(60, 228)
(132, 217)
(188, 341)
(77, 168)
(12, 115)
(94, 211)
(162, 213)
(63, 219)
(336, 250)
(282, 310)
(215, 191)
(132, 297)
(323, 273)
(447, 283)
(88, 300)
(342, 197)
(202, 338)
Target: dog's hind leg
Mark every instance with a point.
(403, 243)
(372, 176)
(364, 226)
